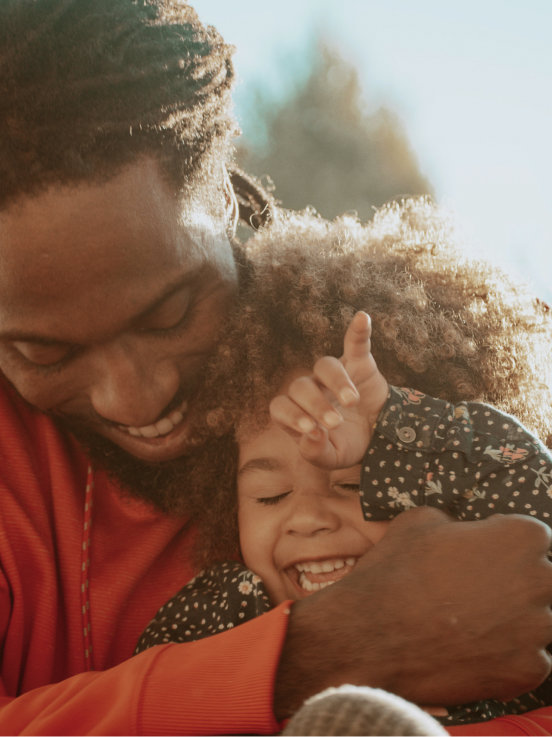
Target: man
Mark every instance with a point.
(117, 270)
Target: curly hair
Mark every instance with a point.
(442, 323)
(86, 86)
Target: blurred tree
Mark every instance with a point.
(323, 149)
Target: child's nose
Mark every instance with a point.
(312, 515)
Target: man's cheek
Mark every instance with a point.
(52, 397)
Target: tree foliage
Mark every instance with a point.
(324, 149)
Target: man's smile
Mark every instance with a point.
(162, 427)
(163, 440)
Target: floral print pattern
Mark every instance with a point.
(216, 600)
(470, 460)
(410, 396)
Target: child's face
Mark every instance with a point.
(301, 527)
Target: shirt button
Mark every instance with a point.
(406, 434)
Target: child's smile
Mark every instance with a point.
(301, 527)
(317, 574)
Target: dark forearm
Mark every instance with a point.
(319, 652)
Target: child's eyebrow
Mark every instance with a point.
(260, 464)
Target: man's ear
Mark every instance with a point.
(231, 203)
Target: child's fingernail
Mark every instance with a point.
(332, 419)
(306, 425)
(347, 396)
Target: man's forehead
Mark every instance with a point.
(74, 216)
(96, 247)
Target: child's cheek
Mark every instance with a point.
(250, 535)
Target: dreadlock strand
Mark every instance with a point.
(257, 206)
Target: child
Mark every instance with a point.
(441, 325)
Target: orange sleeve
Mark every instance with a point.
(219, 685)
(538, 722)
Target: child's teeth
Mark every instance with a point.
(326, 566)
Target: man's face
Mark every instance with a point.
(111, 298)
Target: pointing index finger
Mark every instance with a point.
(356, 344)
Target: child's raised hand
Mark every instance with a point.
(331, 412)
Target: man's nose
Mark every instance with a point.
(131, 387)
(312, 514)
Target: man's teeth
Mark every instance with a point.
(326, 566)
(161, 427)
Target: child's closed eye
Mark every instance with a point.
(271, 500)
(346, 481)
(350, 487)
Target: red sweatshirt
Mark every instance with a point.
(137, 561)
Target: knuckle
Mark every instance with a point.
(299, 382)
(275, 404)
(302, 386)
(321, 363)
(529, 529)
(541, 594)
(421, 517)
(536, 671)
(524, 673)
(275, 400)
(426, 514)
(327, 366)
(281, 408)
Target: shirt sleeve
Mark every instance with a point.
(218, 685)
(217, 599)
(468, 459)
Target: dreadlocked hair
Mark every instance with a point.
(442, 323)
(86, 86)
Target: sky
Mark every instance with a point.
(471, 82)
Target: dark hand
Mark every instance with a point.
(439, 612)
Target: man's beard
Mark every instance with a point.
(163, 485)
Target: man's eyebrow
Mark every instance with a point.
(260, 464)
(29, 337)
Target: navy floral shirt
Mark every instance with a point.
(468, 459)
